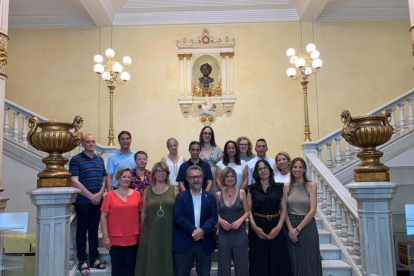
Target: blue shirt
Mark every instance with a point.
(197, 207)
(90, 171)
(117, 161)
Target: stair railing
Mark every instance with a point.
(15, 129)
(338, 210)
(344, 153)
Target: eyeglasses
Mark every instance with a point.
(207, 133)
(195, 177)
(160, 171)
(262, 168)
(243, 145)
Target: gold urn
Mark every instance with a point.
(368, 132)
(55, 138)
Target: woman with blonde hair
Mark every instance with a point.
(155, 255)
(282, 174)
(173, 160)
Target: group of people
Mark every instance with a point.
(160, 222)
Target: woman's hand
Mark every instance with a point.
(293, 235)
(226, 226)
(259, 232)
(107, 243)
(235, 225)
(275, 231)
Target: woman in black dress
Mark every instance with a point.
(268, 246)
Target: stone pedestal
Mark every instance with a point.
(53, 229)
(375, 226)
(3, 202)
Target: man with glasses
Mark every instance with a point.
(261, 149)
(194, 150)
(195, 214)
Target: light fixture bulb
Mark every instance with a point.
(315, 54)
(310, 48)
(110, 53)
(125, 76)
(317, 63)
(117, 67)
(98, 68)
(106, 76)
(308, 71)
(290, 52)
(98, 59)
(300, 62)
(291, 72)
(127, 60)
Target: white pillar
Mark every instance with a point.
(411, 7)
(181, 60)
(53, 229)
(231, 73)
(375, 226)
(223, 73)
(188, 76)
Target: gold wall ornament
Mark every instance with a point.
(3, 54)
(55, 138)
(368, 132)
(211, 92)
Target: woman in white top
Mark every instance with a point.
(282, 174)
(231, 158)
(173, 160)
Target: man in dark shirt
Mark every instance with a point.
(88, 175)
(194, 150)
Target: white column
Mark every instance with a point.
(181, 58)
(375, 226)
(53, 229)
(188, 76)
(4, 26)
(231, 73)
(224, 73)
(411, 7)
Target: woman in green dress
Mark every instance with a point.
(154, 254)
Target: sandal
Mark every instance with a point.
(82, 269)
(98, 265)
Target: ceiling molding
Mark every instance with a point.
(309, 10)
(206, 17)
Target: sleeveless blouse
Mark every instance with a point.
(174, 169)
(298, 200)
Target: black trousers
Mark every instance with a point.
(184, 262)
(88, 216)
(123, 260)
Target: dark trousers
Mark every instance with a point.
(88, 216)
(184, 262)
(123, 260)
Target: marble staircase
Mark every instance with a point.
(332, 261)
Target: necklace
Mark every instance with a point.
(225, 190)
(160, 212)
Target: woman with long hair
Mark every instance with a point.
(268, 245)
(121, 225)
(210, 152)
(304, 250)
(155, 255)
(231, 158)
(173, 160)
(245, 148)
(233, 210)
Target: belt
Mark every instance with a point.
(269, 217)
(296, 217)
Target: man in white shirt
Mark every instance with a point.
(261, 149)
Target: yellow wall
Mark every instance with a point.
(366, 64)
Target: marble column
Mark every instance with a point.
(375, 226)
(53, 229)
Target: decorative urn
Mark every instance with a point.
(54, 138)
(368, 132)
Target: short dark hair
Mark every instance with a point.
(194, 143)
(124, 132)
(140, 152)
(212, 140)
(261, 140)
(194, 167)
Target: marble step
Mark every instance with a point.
(330, 251)
(324, 236)
(100, 272)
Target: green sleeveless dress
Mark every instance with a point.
(154, 256)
